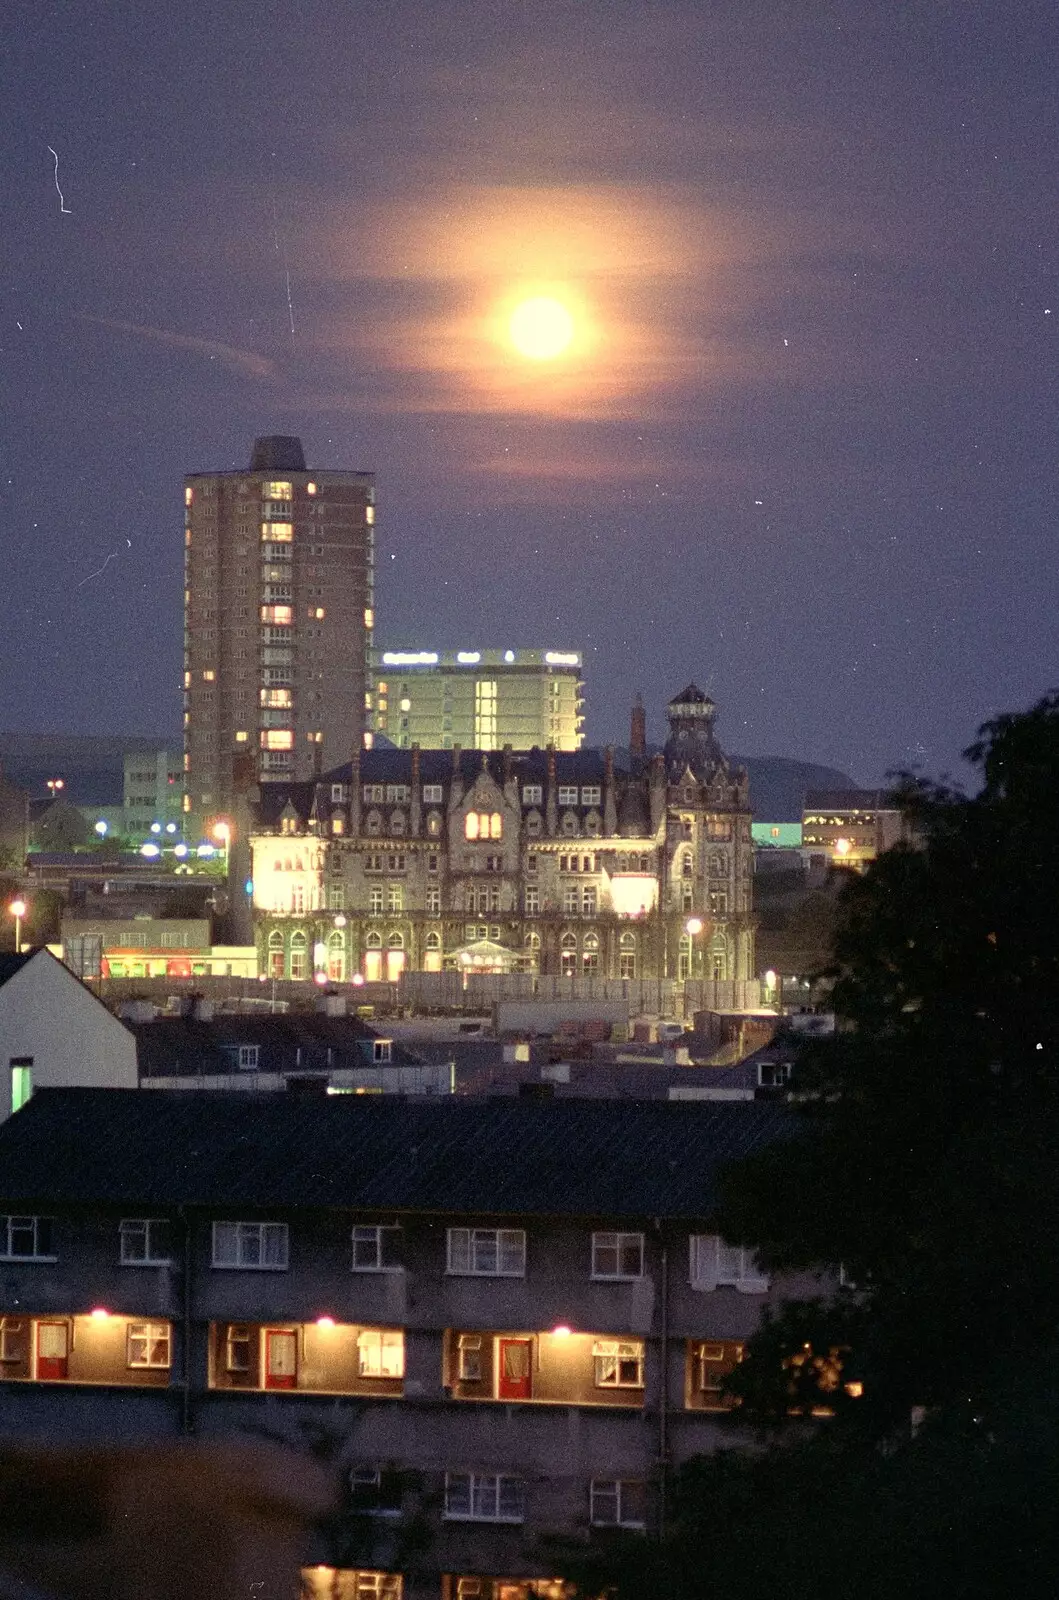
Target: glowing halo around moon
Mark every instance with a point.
(541, 327)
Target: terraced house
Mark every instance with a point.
(508, 1319)
(567, 863)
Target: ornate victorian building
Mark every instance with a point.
(570, 863)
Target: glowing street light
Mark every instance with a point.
(17, 909)
(222, 832)
(101, 828)
(54, 785)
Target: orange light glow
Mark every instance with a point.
(99, 1314)
(541, 327)
(325, 1322)
(561, 1332)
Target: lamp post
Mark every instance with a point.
(222, 832)
(693, 927)
(17, 909)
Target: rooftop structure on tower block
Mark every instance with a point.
(278, 599)
(578, 864)
(480, 699)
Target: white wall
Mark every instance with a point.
(47, 1013)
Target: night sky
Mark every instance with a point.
(802, 448)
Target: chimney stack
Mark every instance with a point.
(638, 729)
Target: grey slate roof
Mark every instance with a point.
(136, 1148)
(287, 1042)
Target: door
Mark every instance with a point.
(395, 960)
(53, 1351)
(372, 966)
(281, 1358)
(514, 1371)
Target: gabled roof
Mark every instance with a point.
(71, 1147)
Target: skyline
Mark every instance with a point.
(803, 450)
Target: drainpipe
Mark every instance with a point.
(186, 1420)
(663, 1387)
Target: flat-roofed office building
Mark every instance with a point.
(278, 613)
(480, 699)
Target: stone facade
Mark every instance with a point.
(570, 864)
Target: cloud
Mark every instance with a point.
(246, 362)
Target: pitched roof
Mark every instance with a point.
(288, 1042)
(135, 1147)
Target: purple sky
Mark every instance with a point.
(804, 450)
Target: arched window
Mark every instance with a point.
(298, 955)
(532, 941)
(373, 941)
(336, 956)
(719, 957)
(568, 954)
(275, 940)
(433, 941)
(590, 941)
(397, 823)
(627, 956)
(593, 825)
(373, 823)
(338, 824)
(395, 941)
(568, 941)
(628, 941)
(590, 953)
(433, 824)
(686, 864)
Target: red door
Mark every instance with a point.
(281, 1358)
(514, 1371)
(53, 1351)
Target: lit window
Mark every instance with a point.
(618, 1363)
(617, 1255)
(469, 1358)
(277, 739)
(483, 825)
(487, 1252)
(380, 1353)
(241, 737)
(279, 616)
(276, 490)
(148, 1345)
(369, 617)
(262, 1245)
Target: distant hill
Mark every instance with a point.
(90, 765)
(778, 785)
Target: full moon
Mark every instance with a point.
(541, 328)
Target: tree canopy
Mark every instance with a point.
(927, 1165)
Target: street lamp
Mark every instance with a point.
(222, 832)
(17, 909)
(54, 785)
(693, 927)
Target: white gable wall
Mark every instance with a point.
(47, 1013)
